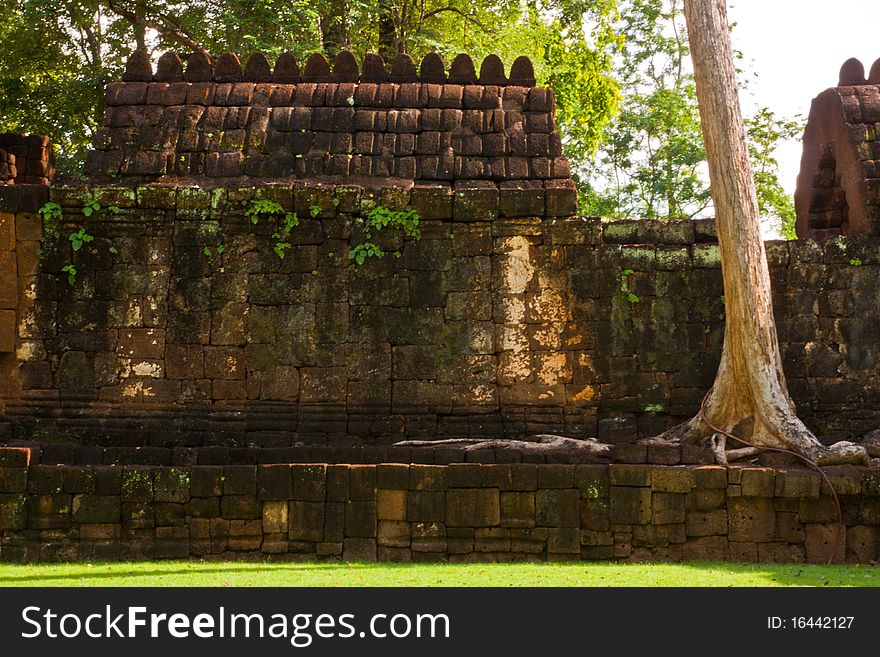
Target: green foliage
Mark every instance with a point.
(51, 214)
(653, 163)
(57, 57)
(314, 211)
(50, 211)
(287, 222)
(59, 54)
(855, 262)
(260, 208)
(572, 46)
(281, 249)
(406, 220)
(360, 252)
(79, 238)
(378, 219)
(628, 294)
(90, 207)
(70, 270)
(765, 132)
(650, 165)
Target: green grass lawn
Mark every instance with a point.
(187, 573)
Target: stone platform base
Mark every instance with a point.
(417, 512)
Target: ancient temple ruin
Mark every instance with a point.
(272, 273)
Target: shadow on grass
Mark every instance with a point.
(130, 570)
(475, 574)
(789, 574)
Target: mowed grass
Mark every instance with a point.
(187, 573)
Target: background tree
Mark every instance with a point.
(766, 132)
(653, 164)
(59, 54)
(57, 57)
(749, 394)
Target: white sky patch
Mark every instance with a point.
(796, 47)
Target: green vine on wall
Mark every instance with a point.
(628, 294)
(78, 238)
(52, 214)
(378, 219)
(287, 221)
(70, 270)
(209, 252)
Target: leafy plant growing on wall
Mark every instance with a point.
(52, 214)
(70, 270)
(287, 221)
(628, 294)
(78, 238)
(378, 219)
(91, 207)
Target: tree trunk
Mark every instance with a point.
(140, 31)
(388, 41)
(334, 26)
(750, 384)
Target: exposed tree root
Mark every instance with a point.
(871, 442)
(782, 432)
(576, 450)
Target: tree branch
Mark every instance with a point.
(465, 16)
(177, 35)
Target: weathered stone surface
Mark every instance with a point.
(257, 69)
(138, 68)
(751, 519)
(96, 508)
(824, 542)
(630, 505)
(317, 69)
(473, 507)
(227, 68)
(199, 68)
(432, 70)
(403, 69)
(557, 508)
(306, 521)
(169, 68)
(522, 72)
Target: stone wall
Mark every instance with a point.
(492, 324)
(26, 159)
(216, 122)
(459, 512)
(7, 167)
(838, 187)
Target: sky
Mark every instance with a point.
(796, 47)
